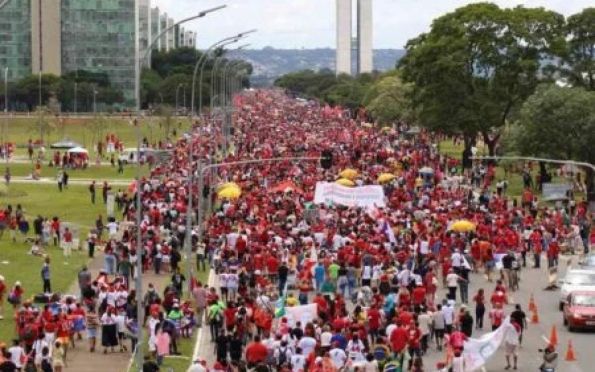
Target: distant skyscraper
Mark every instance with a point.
(163, 22)
(364, 36)
(155, 27)
(145, 26)
(343, 62)
(362, 43)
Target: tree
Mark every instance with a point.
(166, 113)
(388, 101)
(42, 125)
(29, 88)
(477, 65)
(98, 128)
(559, 123)
(150, 82)
(579, 58)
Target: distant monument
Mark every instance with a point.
(361, 43)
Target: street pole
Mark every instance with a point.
(75, 93)
(94, 101)
(5, 126)
(214, 71)
(199, 63)
(177, 91)
(139, 266)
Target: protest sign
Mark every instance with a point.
(363, 196)
(303, 313)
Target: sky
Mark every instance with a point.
(311, 23)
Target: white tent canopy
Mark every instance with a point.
(77, 150)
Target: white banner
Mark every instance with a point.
(477, 351)
(555, 191)
(303, 313)
(363, 196)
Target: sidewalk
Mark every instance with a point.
(80, 359)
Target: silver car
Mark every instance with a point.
(576, 280)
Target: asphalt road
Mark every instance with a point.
(533, 281)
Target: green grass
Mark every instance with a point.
(515, 179)
(71, 205)
(26, 268)
(102, 172)
(21, 129)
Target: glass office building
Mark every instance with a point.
(15, 38)
(99, 36)
(155, 27)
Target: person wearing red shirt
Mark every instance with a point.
(552, 253)
(374, 317)
(535, 239)
(414, 342)
(256, 352)
(496, 316)
(419, 295)
(457, 340)
(480, 308)
(399, 338)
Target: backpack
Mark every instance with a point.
(282, 358)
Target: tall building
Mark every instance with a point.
(364, 36)
(171, 35)
(155, 27)
(145, 25)
(164, 39)
(62, 36)
(190, 39)
(343, 62)
(101, 39)
(361, 44)
(15, 38)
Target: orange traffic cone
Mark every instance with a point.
(570, 356)
(554, 336)
(532, 306)
(535, 317)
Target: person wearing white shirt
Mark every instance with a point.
(16, 354)
(307, 344)
(325, 338)
(448, 311)
(298, 361)
(338, 357)
(355, 349)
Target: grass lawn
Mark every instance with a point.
(17, 264)
(102, 172)
(515, 179)
(71, 205)
(21, 129)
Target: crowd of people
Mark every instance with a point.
(374, 274)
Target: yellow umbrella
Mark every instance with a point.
(229, 193)
(385, 178)
(349, 173)
(228, 184)
(462, 226)
(345, 182)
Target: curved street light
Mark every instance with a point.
(235, 38)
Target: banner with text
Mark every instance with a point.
(363, 196)
(555, 191)
(477, 351)
(303, 313)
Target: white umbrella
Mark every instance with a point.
(426, 170)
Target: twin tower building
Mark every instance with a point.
(359, 45)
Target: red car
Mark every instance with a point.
(579, 310)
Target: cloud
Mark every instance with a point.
(311, 23)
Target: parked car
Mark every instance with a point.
(579, 310)
(576, 280)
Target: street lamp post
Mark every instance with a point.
(139, 265)
(222, 42)
(95, 101)
(214, 76)
(227, 110)
(5, 126)
(177, 91)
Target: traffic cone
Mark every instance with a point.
(554, 336)
(532, 306)
(570, 356)
(535, 317)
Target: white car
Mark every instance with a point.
(576, 280)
